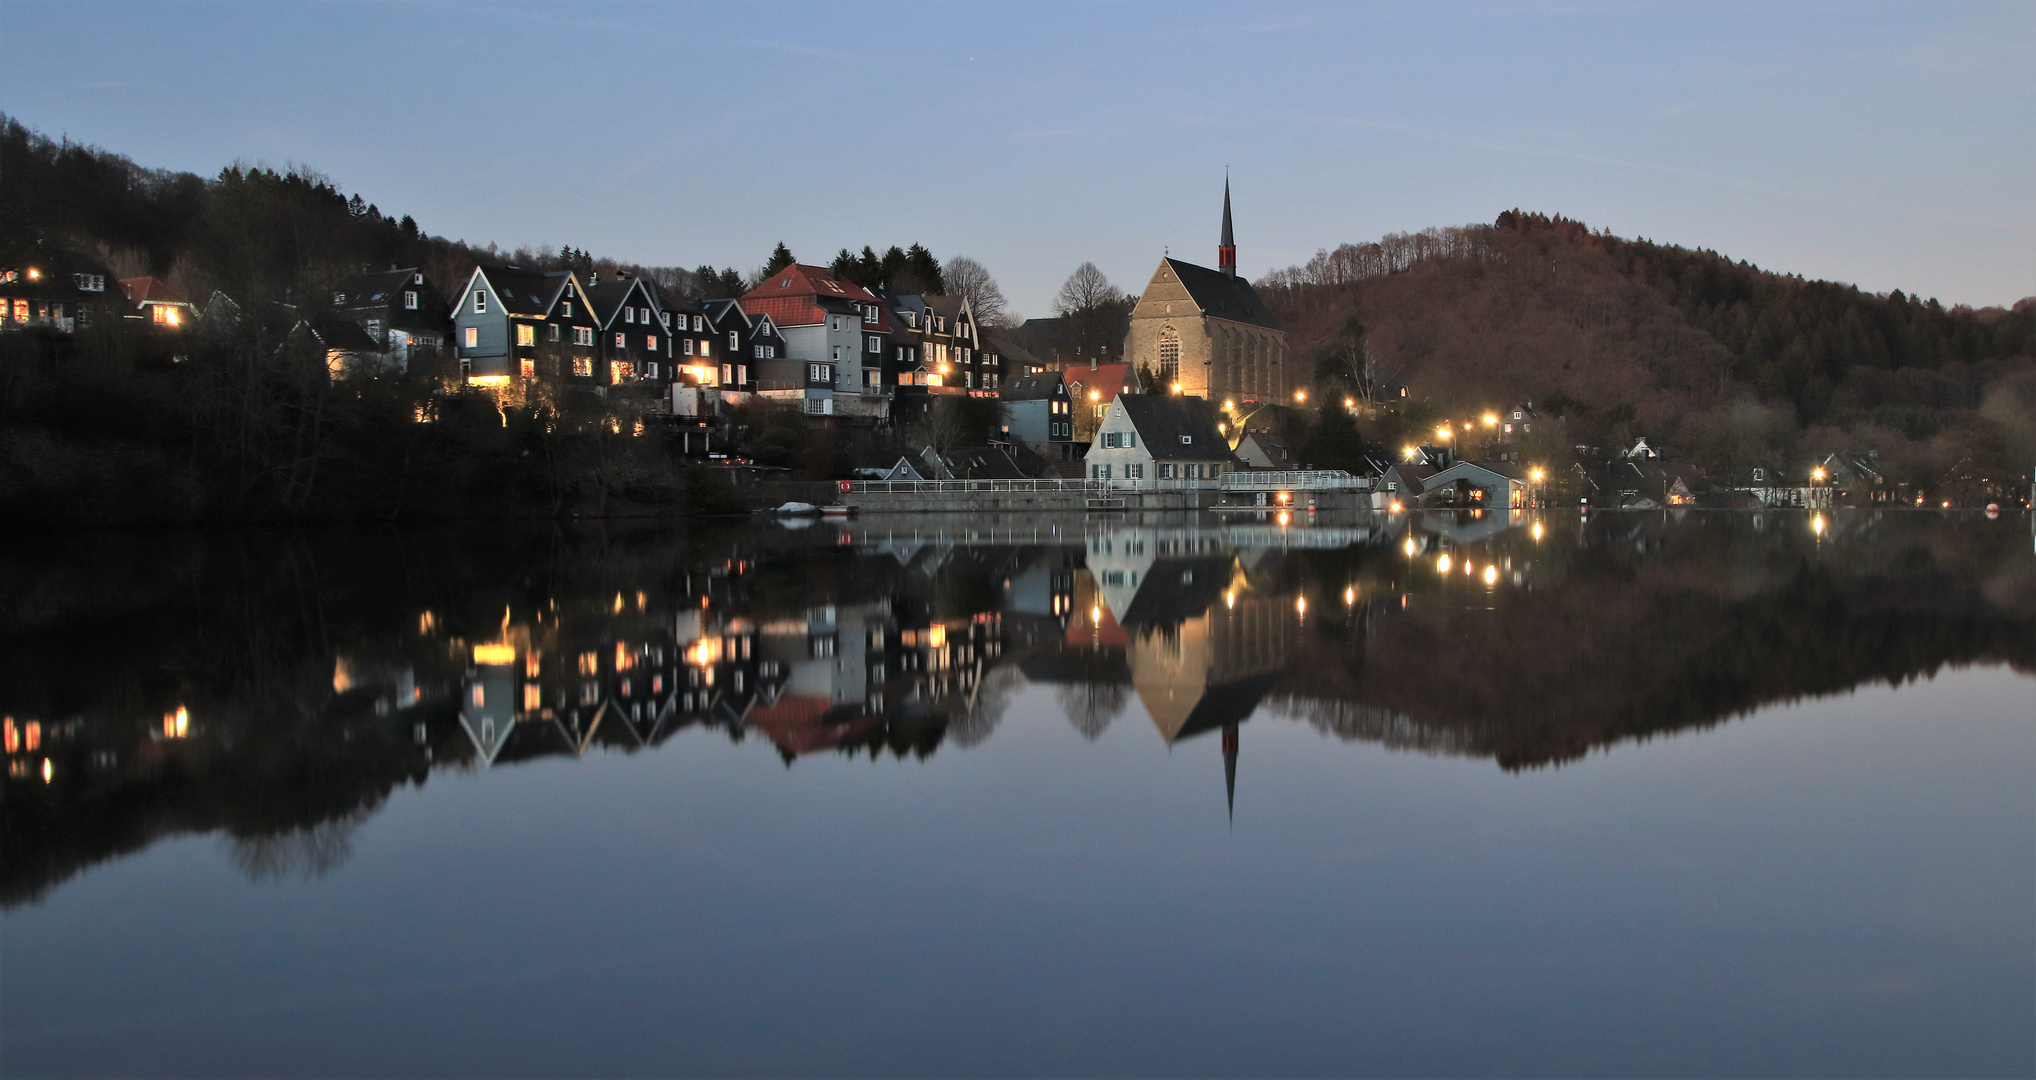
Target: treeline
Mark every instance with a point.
(1727, 364)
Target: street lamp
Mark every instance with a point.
(1491, 420)
(1300, 395)
(1442, 433)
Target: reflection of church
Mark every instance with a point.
(1202, 647)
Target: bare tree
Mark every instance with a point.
(968, 278)
(1084, 290)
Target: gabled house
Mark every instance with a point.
(1517, 422)
(1263, 450)
(510, 323)
(1092, 388)
(158, 304)
(958, 349)
(834, 332)
(349, 351)
(744, 344)
(400, 311)
(635, 346)
(1041, 414)
(698, 350)
(39, 287)
(971, 463)
(1159, 438)
(1857, 479)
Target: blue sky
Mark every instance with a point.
(1889, 145)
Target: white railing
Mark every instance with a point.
(1295, 480)
(1084, 485)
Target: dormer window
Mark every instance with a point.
(337, 298)
(1760, 474)
(417, 279)
(1187, 440)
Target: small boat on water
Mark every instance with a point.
(796, 509)
(837, 511)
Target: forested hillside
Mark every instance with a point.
(1723, 362)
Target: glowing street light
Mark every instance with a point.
(1412, 452)
(1491, 420)
(1177, 388)
(1300, 395)
(1229, 404)
(1350, 403)
(1536, 474)
(1095, 395)
(1443, 433)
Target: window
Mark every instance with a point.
(770, 351)
(1169, 354)
(726, 374)
(527, 368)
(90, 282)
(466, 367)
(650, 342)
(629, 314)
(1134, 471)
(1760, 474)
(480, 301)
(733, 342)
(526, 334)
(619, 340)
(704, 343)
(759, 351)
(700, 324)
(1187, 440)
(1191, 471)
(872, 378)
(410, 300)
(554, 332)
(837, 353)
(816, 373)
(667, 317)
(687, 347)
(876, 345)
(473, 337)
(1131, 438)
(1099, 472)
(643, 316)
(742, 373)
(619, 370)
(1166, 472)
(583, 365)
(583, 335)
(569, 309)
(651, 370)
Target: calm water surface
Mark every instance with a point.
(1639, 795)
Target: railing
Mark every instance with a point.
(1295, 480)
(1085, 485)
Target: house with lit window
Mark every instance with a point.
(698, 351)
(401, 311)
(743, 344)
(510, 323)
(1041, 415)
(1162, 439)
(835, 335)
(158, 304)
(635, 345)
(1092, 388)
(51, 289)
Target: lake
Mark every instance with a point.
(1683, 792)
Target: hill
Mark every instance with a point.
(1719, 360)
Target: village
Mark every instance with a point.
(1186, 402)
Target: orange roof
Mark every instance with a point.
(1108, 380)
(792, 296)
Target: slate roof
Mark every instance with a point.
(526, 292)
(608, 297)
(1011, 349)
(1221, 296)
(364, 289)
(1038, 387)
(343, 334)
(1163, 420)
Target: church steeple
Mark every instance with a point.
(1226, 249)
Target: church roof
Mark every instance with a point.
(1221, 296)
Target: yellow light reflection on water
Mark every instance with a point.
(1442, 563)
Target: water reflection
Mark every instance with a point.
(277, 689)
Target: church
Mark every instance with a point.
(1205, 333)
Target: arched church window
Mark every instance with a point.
(1169, 355)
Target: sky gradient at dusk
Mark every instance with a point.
(1893, 146)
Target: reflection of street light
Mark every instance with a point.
(1491, 575)
(1442, 563)
(1536, 532)
(1350, 596)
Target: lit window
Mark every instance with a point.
(473, 337)
(583, 365)
(529, 368)
(650, 342)
(526, 334)
(703, 347)
(410, 300)
(619, 340)
(725, 374)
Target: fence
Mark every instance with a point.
(1080, 486)
(1295, 480)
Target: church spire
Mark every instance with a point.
(1226, 249)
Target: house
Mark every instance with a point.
(742, 342)
(1475, 484)
(1263, 450)
(57, 290)
(349, 350)
(400, 311)
(1091, 388)
(510, 323)
(699, 348)
(958, 347)
(1160, 438)
(902, 470)
(1517, 422)
(1206, 332)
(834, 332)
(630, 329)
(972, 463)
(1857, 479)
(1041, 414)
(158, 304)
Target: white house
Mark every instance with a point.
(1158, 438)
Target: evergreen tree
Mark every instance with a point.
(781, 257)
(1333, 441)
